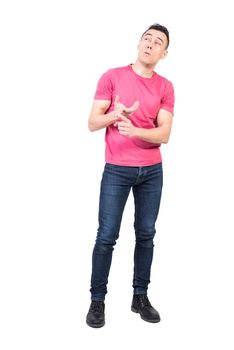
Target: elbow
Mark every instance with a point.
(165, 139)
(91, 126)
(91, 129)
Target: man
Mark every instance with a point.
(135, 105)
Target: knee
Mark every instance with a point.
(107, 236)
(103, 248)
(145, 239)
(149, 244)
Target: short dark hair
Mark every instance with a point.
(160, 28)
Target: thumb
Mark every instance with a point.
(116, 99)
(136, 105)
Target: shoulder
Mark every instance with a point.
(114, 75)
(112, 72)
(165, 87)
(164, 81)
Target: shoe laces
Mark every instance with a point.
(97, 306)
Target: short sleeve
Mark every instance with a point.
(168, 98)
(104, 87)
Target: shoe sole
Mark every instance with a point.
(145, 319)
(95, 325)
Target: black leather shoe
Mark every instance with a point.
(96, 316)
(141, 305)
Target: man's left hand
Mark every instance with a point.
(125, 127)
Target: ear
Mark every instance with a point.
(164, 54)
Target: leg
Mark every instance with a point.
(147, 197)
(115, 188)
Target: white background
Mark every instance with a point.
(52, 54)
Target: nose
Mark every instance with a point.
(149, 45)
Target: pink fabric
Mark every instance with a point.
(153, 94)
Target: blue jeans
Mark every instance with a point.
(117, 181)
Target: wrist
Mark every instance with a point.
(112, 116)
(136, 132)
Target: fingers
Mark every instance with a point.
(123, 122)
(135, 105)
(126, 128)
(122, 127)
(125, 110)
(116, 99)
(133, 108)
(122, 118)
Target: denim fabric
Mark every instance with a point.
(117, 181)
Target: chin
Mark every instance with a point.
(148, 65)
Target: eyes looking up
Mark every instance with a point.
(157, 42)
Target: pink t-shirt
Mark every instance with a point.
(153, 93)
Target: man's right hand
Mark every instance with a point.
(122, 110)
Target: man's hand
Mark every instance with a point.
(125, 127)
(122, 110)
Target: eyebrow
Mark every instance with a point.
(156, 37)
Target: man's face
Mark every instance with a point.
(152, 47)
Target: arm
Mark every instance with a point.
(160, 134)
(98, 119)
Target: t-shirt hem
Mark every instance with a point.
(137, 163)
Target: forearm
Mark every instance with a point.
(100, 121)
(155, 135)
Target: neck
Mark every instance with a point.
(146, 71)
